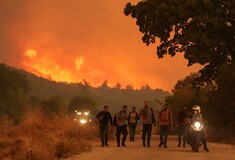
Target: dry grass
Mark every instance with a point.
(39, 137)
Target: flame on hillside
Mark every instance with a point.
(71, 71)
(48, 68)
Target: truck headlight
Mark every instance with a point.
(83, 121)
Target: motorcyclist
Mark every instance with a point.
(197, 115)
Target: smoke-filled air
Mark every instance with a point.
(73, 40)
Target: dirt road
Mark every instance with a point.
(135, 151)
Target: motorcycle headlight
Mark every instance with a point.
(197, 125)
(83, 121)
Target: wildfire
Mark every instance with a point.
(79, 61)
(66, 70)
(47, 67)
(31, 54)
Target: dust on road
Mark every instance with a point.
(136, 151)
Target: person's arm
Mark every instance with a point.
(137, 116)
(154, 120)
(153, 117)
(171, 119)
(129, 117)
(97, 116)
(141, 113)
(117, 119)
(159, 118)
(177, 120)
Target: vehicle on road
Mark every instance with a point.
(83, 117)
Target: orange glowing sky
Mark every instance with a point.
(72, 40)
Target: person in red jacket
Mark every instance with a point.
(165, 121)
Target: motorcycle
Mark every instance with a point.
(196, 132)
(196, 135)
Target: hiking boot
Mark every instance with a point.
(206, 149)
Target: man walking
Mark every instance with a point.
(122, 121)
(182, 123)
(132, 122)
(148, 119)
(164, 122)
(103, 117)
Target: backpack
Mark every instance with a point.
(115, 119)
(164, 117)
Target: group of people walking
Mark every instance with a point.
(122, 120)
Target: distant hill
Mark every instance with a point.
(115, 98)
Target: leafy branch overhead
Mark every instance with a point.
(201, 29)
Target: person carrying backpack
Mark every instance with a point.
(148, 119)
(103, 117)
(121, 124)
(182, 125)
(164, 122)
(132, 122)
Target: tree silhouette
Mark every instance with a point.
(203, 30)
(14, 89)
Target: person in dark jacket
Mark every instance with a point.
(132, 122)
(103, 117)
(182, 125)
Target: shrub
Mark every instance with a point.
(38, 137)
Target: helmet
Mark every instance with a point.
(196, 109)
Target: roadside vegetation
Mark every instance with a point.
(39, 137)
(216, 99)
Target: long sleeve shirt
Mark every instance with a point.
(104, 117)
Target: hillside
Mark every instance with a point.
(103, 95)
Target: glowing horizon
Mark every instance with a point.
(69, 41)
